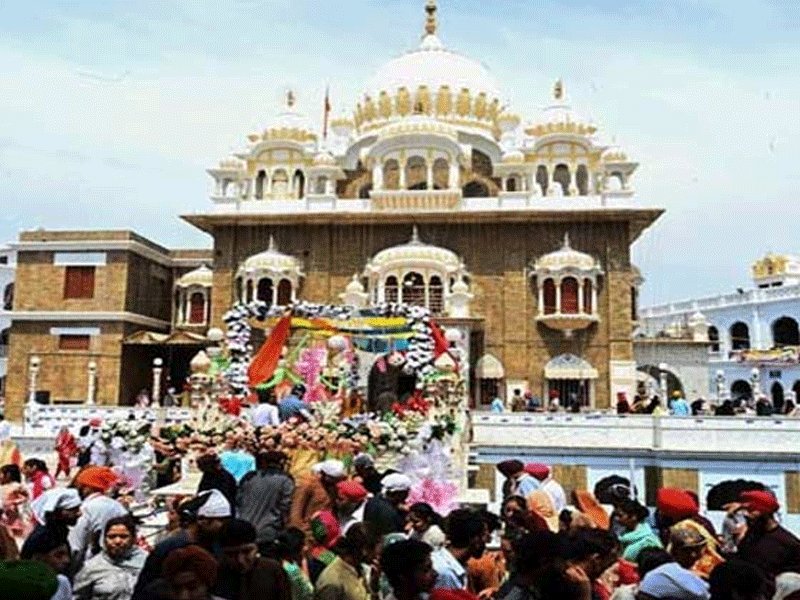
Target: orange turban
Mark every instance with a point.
(588, 505)
(98, 478)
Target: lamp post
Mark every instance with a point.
(92, 385)
(754, 378)
(33, 374)
(720, 385)
(157, 368)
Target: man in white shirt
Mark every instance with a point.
(97, 509)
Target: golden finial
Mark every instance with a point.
(290, 98)
(558, 90)
(430, 21)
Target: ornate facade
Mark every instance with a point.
(516, 231)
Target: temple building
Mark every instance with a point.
(516, 231)
(752, 338)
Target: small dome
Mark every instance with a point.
(201, 276)
(558, 117)
(324, 159)
(288, 125)
(566, 258)
(459, 287)
(354, 287)
(270, 261)
(416, 252)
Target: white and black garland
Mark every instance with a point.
(419, 358)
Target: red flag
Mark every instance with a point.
(441, 345)
(266, 360)
(327, 112)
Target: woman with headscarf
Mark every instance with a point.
(325, 532)
(37, 475)
(66, 448)
(55, 512)
(112, 574)
(638, 534)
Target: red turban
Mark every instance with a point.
(351, 491)
(538, 470)
(676, 504)
(99, 478)
(95, 422)
(761, 501)
(510, 467)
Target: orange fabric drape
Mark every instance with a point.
(266, 360)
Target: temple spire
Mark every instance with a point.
(430, 21)
(272, 247)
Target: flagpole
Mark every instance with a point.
(327, 110)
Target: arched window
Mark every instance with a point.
(441, 174)
(776, 391)
(587, 296)
(262, 175)
(569, 296)
(561, 175)
(390, 293)
(265, 290)
(582, 180)
(416, 173)
(414, 289)
(8, 297)
(741, 390)
(549, 293)
(436, 295)
(740, 336)
(197, 309)
(475, 189)
(299, 184)
(713, 337)
(391, 175)
(280, 183)
(284, 292)
(541, 178)
(785, 332)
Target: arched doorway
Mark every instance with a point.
(713, 337)
(284, 292)
(740, 336)
(475, 189)
(264, 292)
(741, 390)
(674, 384)
(785, 332)
(776, 391)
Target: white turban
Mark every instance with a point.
(332, 468)
(216, 506)
(51, 500)
(396, 482)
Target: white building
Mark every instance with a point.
(754, 342)
(8, 263)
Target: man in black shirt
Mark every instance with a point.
(216, 478)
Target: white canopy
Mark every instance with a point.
(569, 366)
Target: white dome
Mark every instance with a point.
(271, 261)
(566, 258)
(415, 252)
(354, 287)
(433, 66)
(201, 276)
(324, 159)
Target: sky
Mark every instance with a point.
(110, 112)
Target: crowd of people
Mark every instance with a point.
(253, 531)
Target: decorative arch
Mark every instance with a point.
(713, 337)
(391, 174)
(776, 393)
(416, 173)
(197, 309)
(284, 292)
(541, 178)
(569, 296)
(391, 290)
(435, 295)
(582, 180)
(785, 332)
(741, 390)
(674, 383)
(561, 175)
(299, 184)
(260, 178)
(550, 304)
(740, 336)
(264, 291)
(413, 289)
(441, 174)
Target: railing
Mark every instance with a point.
(415, 199)
(789, 292)
(46, 420)
(606, 432)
